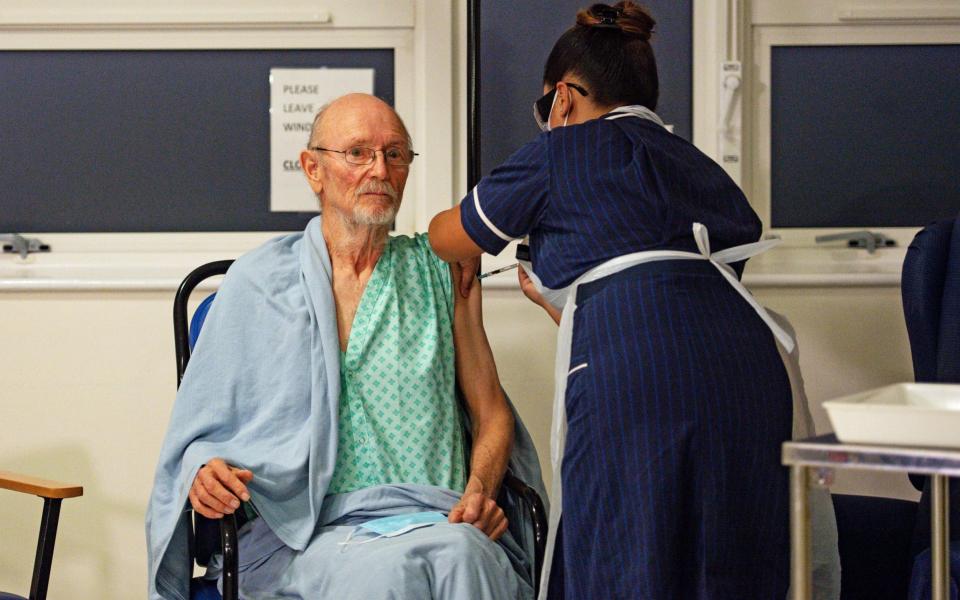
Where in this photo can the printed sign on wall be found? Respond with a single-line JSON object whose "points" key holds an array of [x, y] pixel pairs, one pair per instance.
{"points": [[295, 97]]}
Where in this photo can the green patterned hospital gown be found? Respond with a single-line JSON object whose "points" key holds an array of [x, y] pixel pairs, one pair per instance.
{"points": [[399, 417]]}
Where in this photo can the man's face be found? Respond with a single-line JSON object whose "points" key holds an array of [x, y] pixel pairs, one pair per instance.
{"points": [[361, 194]]}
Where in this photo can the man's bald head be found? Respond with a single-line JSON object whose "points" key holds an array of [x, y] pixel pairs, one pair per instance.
{"points": [[348, 107]]}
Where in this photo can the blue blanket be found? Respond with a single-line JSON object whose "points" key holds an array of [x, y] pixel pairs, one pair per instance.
{"points": [[262, 393], [443, 561]]}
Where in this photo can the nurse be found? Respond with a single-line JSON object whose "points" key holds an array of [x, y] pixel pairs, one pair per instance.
{"points": [[672, 400]]}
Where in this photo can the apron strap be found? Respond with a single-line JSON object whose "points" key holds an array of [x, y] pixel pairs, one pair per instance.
{"points": [[735, 254]]}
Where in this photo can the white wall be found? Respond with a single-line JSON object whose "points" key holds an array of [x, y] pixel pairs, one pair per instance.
{"points": [[88, 382]]}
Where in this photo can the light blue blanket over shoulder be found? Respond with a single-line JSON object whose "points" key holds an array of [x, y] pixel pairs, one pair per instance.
{"points": [[262, 393]]}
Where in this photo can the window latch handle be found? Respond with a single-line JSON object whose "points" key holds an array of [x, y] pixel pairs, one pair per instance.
{"points": [[860, 239]]}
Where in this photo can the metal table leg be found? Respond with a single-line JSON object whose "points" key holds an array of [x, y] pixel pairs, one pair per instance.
{"points": [[800, 547], [940, 537]]}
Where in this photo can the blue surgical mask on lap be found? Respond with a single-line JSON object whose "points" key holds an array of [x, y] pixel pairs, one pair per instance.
{"points": [[398, 524], [393, 526]]}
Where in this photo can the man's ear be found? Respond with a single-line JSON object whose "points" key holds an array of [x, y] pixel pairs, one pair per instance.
{"points": [[313, 170]]}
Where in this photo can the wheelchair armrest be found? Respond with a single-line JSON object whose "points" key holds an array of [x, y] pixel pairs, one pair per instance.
{"points": [[217, 536], [228, 545], [538, 515]]}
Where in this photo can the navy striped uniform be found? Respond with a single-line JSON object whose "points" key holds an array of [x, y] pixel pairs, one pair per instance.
{"points": [[673, 487]]}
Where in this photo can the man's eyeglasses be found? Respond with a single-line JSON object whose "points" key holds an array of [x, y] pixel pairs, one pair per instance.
{"points": [[394, 156], [541, 108]]}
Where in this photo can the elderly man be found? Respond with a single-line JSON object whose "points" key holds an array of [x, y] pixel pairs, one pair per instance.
{"points": [[320, 402]]}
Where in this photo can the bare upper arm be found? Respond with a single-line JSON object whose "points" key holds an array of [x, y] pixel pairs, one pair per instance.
{"points": [[476, 370], [470, 307]]}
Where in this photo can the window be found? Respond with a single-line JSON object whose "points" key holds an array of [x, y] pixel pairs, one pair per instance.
{"points": [[848, 113], [864, 135]]}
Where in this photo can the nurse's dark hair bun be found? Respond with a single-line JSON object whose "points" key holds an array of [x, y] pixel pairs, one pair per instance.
{"points": [[627, 17], [609, 51]]}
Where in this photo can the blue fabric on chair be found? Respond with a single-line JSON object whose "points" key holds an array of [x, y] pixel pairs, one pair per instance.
{"points": [[930, 287], [874, 543], [196, 323], [923, 282], [948, 353], [6, 596], [920, 584], [922, 289], [204, 589]]}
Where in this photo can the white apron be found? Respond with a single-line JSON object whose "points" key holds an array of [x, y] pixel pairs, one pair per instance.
{"points": [[566, 300]]}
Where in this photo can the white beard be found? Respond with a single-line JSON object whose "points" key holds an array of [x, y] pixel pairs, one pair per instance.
{"points": [[374, 216], [359, 215]]}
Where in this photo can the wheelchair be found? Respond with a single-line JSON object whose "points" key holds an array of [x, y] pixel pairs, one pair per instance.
{"points": [[208, 537]]}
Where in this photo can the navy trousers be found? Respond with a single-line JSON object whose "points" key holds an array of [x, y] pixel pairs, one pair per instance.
{"points": [[673, 487]]}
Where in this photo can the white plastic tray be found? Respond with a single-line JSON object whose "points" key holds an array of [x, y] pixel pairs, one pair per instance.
{"points": [[905, 414]]}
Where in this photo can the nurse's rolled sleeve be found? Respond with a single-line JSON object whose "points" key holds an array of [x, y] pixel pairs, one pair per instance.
{"points": [[510, 201]]}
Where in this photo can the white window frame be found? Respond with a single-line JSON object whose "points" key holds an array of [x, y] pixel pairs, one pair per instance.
{"points": [[769, 23], [420, 33]]}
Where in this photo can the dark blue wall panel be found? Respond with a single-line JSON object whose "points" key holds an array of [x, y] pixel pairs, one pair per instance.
{"points": [[864, 136], [517, 38], [100, 141]]}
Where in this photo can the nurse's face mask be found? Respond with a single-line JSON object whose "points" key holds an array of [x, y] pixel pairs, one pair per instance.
{"points": [[543, 108]]}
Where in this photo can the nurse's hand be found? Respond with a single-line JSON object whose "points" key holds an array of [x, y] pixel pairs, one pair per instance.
{"points": [[530, 291], [218, 489]]}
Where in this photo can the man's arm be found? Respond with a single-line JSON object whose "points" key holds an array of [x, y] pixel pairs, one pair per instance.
{"points": [[490, 416]]}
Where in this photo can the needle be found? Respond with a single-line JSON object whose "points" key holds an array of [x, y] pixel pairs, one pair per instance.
{"points": [[495, 271]]}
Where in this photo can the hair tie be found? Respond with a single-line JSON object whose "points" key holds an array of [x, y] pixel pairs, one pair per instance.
{"points": [[607, 16]]}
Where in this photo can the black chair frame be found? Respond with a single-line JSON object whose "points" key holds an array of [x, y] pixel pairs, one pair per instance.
{"points": [[202, 540], [53, 494]]}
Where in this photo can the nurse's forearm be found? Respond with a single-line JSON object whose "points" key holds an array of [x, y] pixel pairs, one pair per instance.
{"points": [[448, 238], [552, 311]]}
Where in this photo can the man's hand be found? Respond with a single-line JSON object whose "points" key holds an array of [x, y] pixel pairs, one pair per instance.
{"points": [[218, 489], [480, 511]]}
